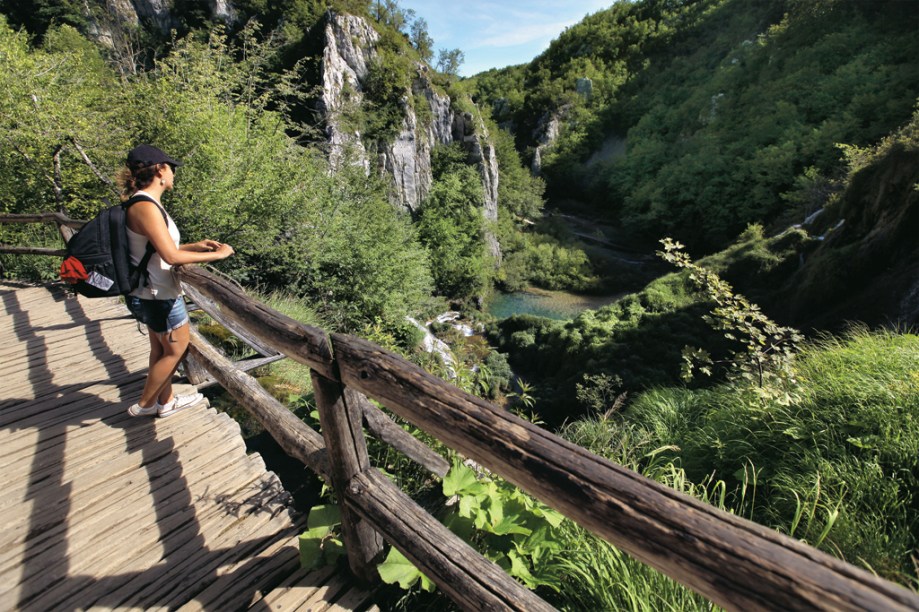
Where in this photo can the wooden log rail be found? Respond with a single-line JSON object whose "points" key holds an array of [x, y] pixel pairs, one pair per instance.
{"points": [[736, 563]]}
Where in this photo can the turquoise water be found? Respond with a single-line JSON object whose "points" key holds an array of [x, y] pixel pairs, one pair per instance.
{"points": [[558, 305]]}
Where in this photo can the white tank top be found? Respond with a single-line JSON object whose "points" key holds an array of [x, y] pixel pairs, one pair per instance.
{"points": [[163, 285]]}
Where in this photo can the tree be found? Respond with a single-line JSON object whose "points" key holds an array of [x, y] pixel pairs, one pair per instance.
{"points": [[449, 61], [421, 40]]}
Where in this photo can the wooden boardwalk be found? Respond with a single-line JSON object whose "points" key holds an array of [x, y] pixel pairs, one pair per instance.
{"points": [[99, 510]]}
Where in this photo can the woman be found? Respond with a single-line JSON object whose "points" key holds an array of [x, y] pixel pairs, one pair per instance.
{"points": [[158, 303]]}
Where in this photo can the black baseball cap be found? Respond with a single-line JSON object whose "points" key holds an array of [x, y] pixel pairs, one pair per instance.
{"points": [[148, 155]]}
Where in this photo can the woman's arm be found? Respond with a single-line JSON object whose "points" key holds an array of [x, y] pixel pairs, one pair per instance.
{"points": [[145, 218], [205, 245]]}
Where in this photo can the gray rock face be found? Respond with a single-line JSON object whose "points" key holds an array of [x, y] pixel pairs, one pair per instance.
{"points": [[223, 10], [350, 48], [121, 15], [482, 153], [545, 134], [156, 11]]}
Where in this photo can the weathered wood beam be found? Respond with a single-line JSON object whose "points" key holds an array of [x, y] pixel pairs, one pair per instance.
{"points": [[53, 217], [388, 431], [16, 250], [340, 421], [194, 371], [243, 365], [293, 435], [303, 343], [471, 580], [213, 310], [734, 562]]}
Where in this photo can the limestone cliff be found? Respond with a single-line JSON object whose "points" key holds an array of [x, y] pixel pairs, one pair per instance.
{"points": [[349, 49], [107, 21]]}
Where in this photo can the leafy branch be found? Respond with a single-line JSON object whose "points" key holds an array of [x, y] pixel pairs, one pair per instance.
{"points": [[767, 352]]}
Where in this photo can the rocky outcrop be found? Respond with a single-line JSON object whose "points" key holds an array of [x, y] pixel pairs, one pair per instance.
{"points": [[867, 268], [350, 48], [482, 153], [408, 158], [108, 22], [546, 132]]}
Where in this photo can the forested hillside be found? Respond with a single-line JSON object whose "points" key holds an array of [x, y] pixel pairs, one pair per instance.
{"points": [[365, 185], [696, 118]]}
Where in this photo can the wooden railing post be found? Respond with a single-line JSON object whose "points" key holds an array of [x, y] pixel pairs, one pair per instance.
{"points": [[341, 422], [194, 371]]}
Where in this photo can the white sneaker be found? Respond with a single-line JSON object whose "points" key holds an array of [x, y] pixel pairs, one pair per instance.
{"points": [[178, 403], [135, 410]]}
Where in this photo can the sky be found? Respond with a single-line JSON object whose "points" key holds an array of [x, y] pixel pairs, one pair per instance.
{"points": [[498, 34]]}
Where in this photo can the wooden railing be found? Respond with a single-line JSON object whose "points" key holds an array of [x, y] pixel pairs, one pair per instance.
{"points": [[736, 563]]}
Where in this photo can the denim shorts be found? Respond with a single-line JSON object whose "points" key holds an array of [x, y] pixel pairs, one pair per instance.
{"points": [[161, 316]]}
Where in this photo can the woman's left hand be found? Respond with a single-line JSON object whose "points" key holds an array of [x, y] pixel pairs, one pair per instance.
{"points": [[208, 245]]}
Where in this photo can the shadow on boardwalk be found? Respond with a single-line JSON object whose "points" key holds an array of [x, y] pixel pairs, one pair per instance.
{"points": [[134, 536]]}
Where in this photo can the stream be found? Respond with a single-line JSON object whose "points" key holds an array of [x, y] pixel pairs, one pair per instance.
{"points": [[610, 251], [558, 305]]}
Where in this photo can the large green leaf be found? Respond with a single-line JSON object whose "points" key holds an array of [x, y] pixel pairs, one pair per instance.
{"points": [[459, 479], [398, 569], [325, 515], [311, 547]]}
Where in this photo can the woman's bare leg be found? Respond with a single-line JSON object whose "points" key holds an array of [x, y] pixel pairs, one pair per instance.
{"points": [[159, 378]]}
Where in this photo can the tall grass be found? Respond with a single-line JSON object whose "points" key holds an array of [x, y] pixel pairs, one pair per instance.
{"points": [[837, 468]]}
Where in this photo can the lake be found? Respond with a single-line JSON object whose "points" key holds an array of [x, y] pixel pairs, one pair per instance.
{"points": [[558, 305]]}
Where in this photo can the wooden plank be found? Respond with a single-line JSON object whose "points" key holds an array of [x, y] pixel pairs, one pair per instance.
{"points": [[20, 521], [388, 431], [88, 421], [469, 579], [187, 527], [213, 311], [293, 435], [237, 586], [340, 420], [303, 343], [86, 558], [21, 250], [193, 528], [187, 568], [736, 563], [295, 590], [69, 459], [76, 405], [45, 217], [99, 508]]}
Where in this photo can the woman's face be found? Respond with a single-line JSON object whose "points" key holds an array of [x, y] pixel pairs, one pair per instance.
{"points": [[168, 175]]}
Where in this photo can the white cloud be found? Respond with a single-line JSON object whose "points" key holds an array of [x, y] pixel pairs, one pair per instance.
{"points": [[521, 34]]}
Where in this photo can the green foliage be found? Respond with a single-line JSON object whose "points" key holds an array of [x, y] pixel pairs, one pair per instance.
{"points": [[836, 466], [637, 339], [767, 350], [320, 544], [452, 227], [356, 256], [506, 525], [696, 119], [397, 569], [450, 60], [333, 239]]}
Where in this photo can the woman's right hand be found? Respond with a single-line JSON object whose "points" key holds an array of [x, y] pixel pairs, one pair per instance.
{"points": [[224, 250]]}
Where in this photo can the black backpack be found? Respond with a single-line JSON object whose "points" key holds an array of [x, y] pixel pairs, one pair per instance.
{"points": [[98, 261]]}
